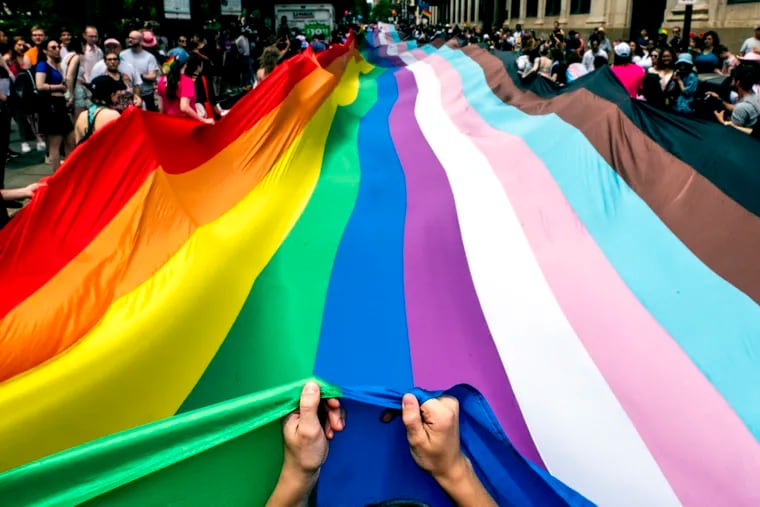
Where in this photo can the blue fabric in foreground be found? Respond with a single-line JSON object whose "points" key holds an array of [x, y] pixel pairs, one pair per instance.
{"points": [[370, 461]]}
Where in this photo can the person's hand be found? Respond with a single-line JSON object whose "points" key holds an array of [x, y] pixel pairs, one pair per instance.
{"points": [[306, 446], [208, 121], [720, 115], [713, 94], [433, 433], [31, 189], [305, 437]]}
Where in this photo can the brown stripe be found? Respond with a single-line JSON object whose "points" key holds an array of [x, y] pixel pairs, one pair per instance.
{"points": [[722, 233]]}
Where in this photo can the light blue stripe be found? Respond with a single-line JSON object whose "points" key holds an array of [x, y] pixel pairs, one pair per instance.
{"points": [[716, 324]]}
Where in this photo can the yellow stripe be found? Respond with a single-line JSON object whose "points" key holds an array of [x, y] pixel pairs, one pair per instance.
{"points": [[151, 347]]}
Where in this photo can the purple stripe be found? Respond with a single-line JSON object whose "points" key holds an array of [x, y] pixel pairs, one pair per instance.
{"points": [[449, 339]]}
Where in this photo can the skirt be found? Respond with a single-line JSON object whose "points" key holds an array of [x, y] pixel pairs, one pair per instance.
{"points": [[54, 119]]}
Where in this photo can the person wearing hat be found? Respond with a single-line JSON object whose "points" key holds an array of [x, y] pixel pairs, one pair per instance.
{"points": [[145, 65], [685, 83], [630, 75], [752, 45], [105, 94]]}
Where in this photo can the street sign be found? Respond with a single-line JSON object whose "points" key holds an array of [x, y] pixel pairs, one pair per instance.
{"points": [[232, 8], [177, 9]]}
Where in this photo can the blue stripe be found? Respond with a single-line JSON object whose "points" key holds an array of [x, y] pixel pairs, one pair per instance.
{"points": [[715, 323], [364, 338]]}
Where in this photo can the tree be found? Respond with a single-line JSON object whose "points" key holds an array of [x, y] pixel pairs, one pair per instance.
{"points": [[381, 11]]}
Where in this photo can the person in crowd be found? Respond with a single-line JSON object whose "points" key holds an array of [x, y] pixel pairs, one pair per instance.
{"points": [[558, 35], [684, 85], [676, 41], [110, 46], [106, 97], [708, 61], [630, 75], [176, 90], [92, 53], [604, 42], [752, 44], [432, 430], [180, 50], [730, 61], [539, 64], [591, 54], [559, 67], [640, 55], [643, 40], [268, 61], [575, 68], [65, 39], [664, 68], [150, 45], [32, 55], [145, 65], [746, 113], [73, 72], [130, 91], [54, 120], [17, 65], [243, 46]]}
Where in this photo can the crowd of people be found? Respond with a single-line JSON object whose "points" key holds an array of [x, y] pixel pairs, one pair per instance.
{"points": [[688, 74]]}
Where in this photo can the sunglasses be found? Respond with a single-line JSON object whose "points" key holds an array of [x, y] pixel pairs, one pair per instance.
{"points": [[52, 47], [112, 59]]}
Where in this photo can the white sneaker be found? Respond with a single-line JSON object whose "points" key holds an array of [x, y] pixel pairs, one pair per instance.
{"points": [[47, 159], [25, 148], [41, 146]]}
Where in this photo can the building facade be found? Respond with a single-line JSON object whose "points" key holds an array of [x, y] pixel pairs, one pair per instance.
{"points": [[732, 19]]}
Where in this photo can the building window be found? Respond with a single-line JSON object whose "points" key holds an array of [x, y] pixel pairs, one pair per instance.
{"points": [[553, 7], [580, 6], [531, 9], [514, 10]]}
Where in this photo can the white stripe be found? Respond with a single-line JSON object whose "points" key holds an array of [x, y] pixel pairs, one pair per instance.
{"points": [[408, 58], [581, 431]]}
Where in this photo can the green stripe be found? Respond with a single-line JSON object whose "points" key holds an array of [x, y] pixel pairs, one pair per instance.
{"points": [[173, 459], [274, 340]]}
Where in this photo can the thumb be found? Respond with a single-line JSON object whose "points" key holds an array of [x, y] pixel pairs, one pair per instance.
{"points": [[410, 414], [309, 404]]}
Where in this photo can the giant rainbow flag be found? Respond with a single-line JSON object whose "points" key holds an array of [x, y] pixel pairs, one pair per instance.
{"points": [[577, 268]]}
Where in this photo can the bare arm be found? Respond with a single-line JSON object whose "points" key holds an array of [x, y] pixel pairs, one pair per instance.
{"points": [[40, 79], [184, 106], [71, 78]]}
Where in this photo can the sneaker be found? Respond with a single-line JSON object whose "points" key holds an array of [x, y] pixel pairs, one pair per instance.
{"points": [[41, 146], [25, 148], [13, 154], [47, 159]]}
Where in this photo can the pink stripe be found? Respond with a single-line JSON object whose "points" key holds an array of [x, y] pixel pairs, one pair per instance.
{"points": [[703, 448]]}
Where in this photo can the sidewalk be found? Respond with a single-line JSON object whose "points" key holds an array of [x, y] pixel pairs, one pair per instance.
{"points": [[27, 168]]}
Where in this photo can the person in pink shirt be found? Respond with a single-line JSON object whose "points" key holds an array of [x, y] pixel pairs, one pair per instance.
{"points": [[630, 75], [176, 90]]}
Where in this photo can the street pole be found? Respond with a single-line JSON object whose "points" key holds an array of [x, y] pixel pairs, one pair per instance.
{"points": [[687, 27]]}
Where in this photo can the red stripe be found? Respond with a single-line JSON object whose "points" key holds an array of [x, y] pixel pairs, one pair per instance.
{"points": [[103, 174]]}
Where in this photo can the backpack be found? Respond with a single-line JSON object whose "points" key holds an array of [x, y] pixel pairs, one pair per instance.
{"points": [[27, 94]]}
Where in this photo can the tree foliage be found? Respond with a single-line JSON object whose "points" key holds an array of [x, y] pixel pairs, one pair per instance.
{"points": [[382, 11]]}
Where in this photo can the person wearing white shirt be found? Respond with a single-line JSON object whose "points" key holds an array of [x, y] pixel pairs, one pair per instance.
{"points": [[591, 54], [92, 53], [145, 66]]}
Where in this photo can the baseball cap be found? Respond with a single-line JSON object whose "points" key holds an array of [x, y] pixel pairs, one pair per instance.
{"points": [[623, 49], [112, 42]]}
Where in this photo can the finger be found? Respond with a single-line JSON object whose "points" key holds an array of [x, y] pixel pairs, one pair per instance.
{"points": [[410, 414], [309, 404], [334, 418]]}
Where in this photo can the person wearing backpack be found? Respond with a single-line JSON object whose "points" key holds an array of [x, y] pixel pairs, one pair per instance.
{"points": [[105, 97]]}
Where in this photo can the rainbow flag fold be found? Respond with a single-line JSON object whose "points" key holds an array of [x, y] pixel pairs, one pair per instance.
{"points": [[575, 267]]}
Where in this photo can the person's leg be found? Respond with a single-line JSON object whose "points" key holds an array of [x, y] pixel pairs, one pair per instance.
{"points": [[54, 146]]}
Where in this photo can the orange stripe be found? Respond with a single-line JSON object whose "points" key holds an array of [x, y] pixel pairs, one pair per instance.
{"points": [[148, 230]]}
